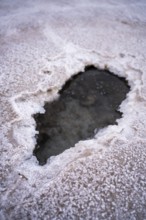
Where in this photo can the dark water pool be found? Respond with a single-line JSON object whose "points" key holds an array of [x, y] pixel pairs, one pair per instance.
{"points": [[87, 103]]}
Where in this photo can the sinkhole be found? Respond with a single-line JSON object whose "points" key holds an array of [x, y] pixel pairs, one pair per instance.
{"points": [[88, 102]]}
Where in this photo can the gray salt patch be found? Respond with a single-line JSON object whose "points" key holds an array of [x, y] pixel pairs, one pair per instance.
{"points": [[87, 103]]}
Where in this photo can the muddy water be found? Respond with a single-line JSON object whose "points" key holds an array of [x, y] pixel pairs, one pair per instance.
{"points": [[87, 103]]}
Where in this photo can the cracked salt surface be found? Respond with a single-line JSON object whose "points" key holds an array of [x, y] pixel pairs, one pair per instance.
{"points": [[43, 44]]}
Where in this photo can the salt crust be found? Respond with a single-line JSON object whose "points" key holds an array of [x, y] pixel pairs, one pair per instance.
{"points": [[42, 45]]}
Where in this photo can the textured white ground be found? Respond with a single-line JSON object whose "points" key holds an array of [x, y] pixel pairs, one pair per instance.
{"points": [[43, 43]]}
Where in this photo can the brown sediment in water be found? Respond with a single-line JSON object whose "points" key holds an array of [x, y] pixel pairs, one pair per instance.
{"points": [[88, 102]]}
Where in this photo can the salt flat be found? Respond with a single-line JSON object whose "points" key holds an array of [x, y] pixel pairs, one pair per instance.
{"points": [[42, 44]]}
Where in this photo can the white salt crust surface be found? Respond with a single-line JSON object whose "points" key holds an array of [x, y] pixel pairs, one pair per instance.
{"points": [[42, 44]]}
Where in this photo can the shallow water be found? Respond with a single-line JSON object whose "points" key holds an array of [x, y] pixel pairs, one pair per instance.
{"points": [[87, 103]]}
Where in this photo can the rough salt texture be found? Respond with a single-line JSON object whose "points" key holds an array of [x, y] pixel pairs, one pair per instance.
{"points": [[42, 44]]}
